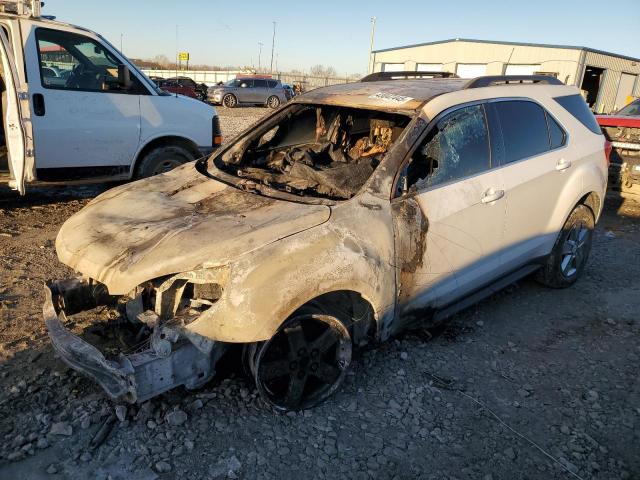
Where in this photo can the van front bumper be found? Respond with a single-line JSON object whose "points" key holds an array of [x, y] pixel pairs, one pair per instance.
{"points": [[172, 357]]}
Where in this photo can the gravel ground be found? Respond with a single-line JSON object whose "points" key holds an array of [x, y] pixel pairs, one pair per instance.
{"points": [[234, 120], [532, 383]]}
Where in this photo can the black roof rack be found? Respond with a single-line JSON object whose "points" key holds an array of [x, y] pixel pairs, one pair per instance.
{"points": [[406, 75], [490, 80]]}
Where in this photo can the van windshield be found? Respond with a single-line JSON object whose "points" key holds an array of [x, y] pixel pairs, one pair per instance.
{"points": [[315, 150]]}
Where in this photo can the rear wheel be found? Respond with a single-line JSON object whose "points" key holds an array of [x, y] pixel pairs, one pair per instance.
{"points": [[571, 251], [273, 102], [303, 363], [162, 159], [229, 100]]}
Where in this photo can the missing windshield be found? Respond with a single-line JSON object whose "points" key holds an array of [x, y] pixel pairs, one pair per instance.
{"points": [[320, 151]]}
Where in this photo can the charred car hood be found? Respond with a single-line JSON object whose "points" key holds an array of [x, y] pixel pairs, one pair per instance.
{"points": [[172, 223]]}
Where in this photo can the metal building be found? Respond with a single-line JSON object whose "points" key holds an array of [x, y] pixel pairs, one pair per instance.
{"points": [[608, 80]]}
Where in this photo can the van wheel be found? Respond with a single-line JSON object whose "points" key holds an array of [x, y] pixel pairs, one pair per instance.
{"points": [[303, 363], [273, 102], [571, 251], [162, 159], [229, 101]]}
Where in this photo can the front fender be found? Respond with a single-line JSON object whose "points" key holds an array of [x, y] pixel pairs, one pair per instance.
{"points": [[268, 285]]}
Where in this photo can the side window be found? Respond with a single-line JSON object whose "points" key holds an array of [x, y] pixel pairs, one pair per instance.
{"points": [[457, 147], [74, 62], [576, 106], [260, 83], [557, 136], [246, 83], [273, 83], [524, 129]]}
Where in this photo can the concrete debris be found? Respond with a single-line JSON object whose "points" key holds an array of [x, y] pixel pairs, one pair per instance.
{"points": [[176, 418], [61, 428]]}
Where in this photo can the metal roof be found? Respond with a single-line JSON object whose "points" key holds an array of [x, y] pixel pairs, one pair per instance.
{"points": [[520, 44], [395, 95]]}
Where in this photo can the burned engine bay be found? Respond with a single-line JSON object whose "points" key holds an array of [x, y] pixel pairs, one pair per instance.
{"points": [[315, 150]]}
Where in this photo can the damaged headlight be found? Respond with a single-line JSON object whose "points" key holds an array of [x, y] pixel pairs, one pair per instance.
{"points": [[185, 295]]}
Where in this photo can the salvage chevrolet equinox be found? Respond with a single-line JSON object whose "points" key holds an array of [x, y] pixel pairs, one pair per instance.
{"points": [[346, 216]]}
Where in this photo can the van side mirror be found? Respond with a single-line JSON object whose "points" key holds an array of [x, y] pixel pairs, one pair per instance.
{"points": [[124, 77]]}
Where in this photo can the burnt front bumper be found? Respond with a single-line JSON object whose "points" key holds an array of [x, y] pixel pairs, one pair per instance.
{"points": [[173, 356]]}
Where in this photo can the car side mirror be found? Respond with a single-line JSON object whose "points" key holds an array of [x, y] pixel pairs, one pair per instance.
{"points": [[124, 77]]}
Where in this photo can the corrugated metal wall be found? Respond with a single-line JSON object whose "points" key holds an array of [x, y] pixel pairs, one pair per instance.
{"points": [[494, 55], [567, 62], [614, 66]]}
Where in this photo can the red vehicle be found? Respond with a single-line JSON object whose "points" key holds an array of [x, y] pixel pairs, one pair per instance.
{"points": [[180, 88], [622, 129]]}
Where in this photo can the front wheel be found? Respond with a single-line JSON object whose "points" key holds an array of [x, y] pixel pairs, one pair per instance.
{"points": [[162, 159], [273, 102], [303, 363], [229, 101], [571, 251]]}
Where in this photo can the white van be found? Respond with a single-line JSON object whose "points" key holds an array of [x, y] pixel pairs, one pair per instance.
{"points": [[75, 108]]}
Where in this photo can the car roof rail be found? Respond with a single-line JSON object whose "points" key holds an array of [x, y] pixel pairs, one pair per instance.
{"points": [[491, 80], [406, 75]]}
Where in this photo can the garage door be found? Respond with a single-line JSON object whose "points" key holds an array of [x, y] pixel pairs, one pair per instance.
{"points": [[522, 69], [429, 67], [625, 89], [393, 67], [471, 70]]}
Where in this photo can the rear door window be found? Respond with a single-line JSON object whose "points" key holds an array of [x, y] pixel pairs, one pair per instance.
{"points": [[577, 106], [260, 83], [524, 129]]}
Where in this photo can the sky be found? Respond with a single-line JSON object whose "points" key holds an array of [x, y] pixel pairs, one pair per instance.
{"points": [[337, 33]]}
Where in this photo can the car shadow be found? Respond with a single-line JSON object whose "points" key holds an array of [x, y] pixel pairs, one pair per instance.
{"points": [[43, 195]]}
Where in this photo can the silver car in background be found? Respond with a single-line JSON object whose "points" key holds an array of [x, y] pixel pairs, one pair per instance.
{"points": [[249, 91]]}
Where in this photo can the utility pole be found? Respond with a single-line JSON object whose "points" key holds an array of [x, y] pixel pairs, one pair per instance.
{"points": [[121, 35], [373, 32], [260, 44], [273, 44]]}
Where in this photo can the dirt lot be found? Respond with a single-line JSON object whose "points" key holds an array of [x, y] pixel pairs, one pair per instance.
{"points": [[532, 383]]}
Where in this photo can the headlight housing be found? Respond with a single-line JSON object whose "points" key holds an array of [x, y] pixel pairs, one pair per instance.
{"points": [[187, 295]]}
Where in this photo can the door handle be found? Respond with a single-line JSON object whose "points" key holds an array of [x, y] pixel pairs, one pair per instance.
{"points": [[562, 164], [492, 195], [38, 105]]}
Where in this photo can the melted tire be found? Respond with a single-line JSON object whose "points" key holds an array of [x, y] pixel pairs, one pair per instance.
{"points": [[300, 367]]}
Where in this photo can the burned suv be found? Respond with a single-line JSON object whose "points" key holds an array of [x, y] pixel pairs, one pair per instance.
{"points": [[352, 213]]}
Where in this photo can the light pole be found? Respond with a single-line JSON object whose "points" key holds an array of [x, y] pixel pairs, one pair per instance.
{"points": [[273, 44], [121, 35], [373, 32], [259, 55]]}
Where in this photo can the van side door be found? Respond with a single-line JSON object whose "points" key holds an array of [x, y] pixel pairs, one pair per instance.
{"points": [[448, 212], [15, 117], [82, 117]]}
